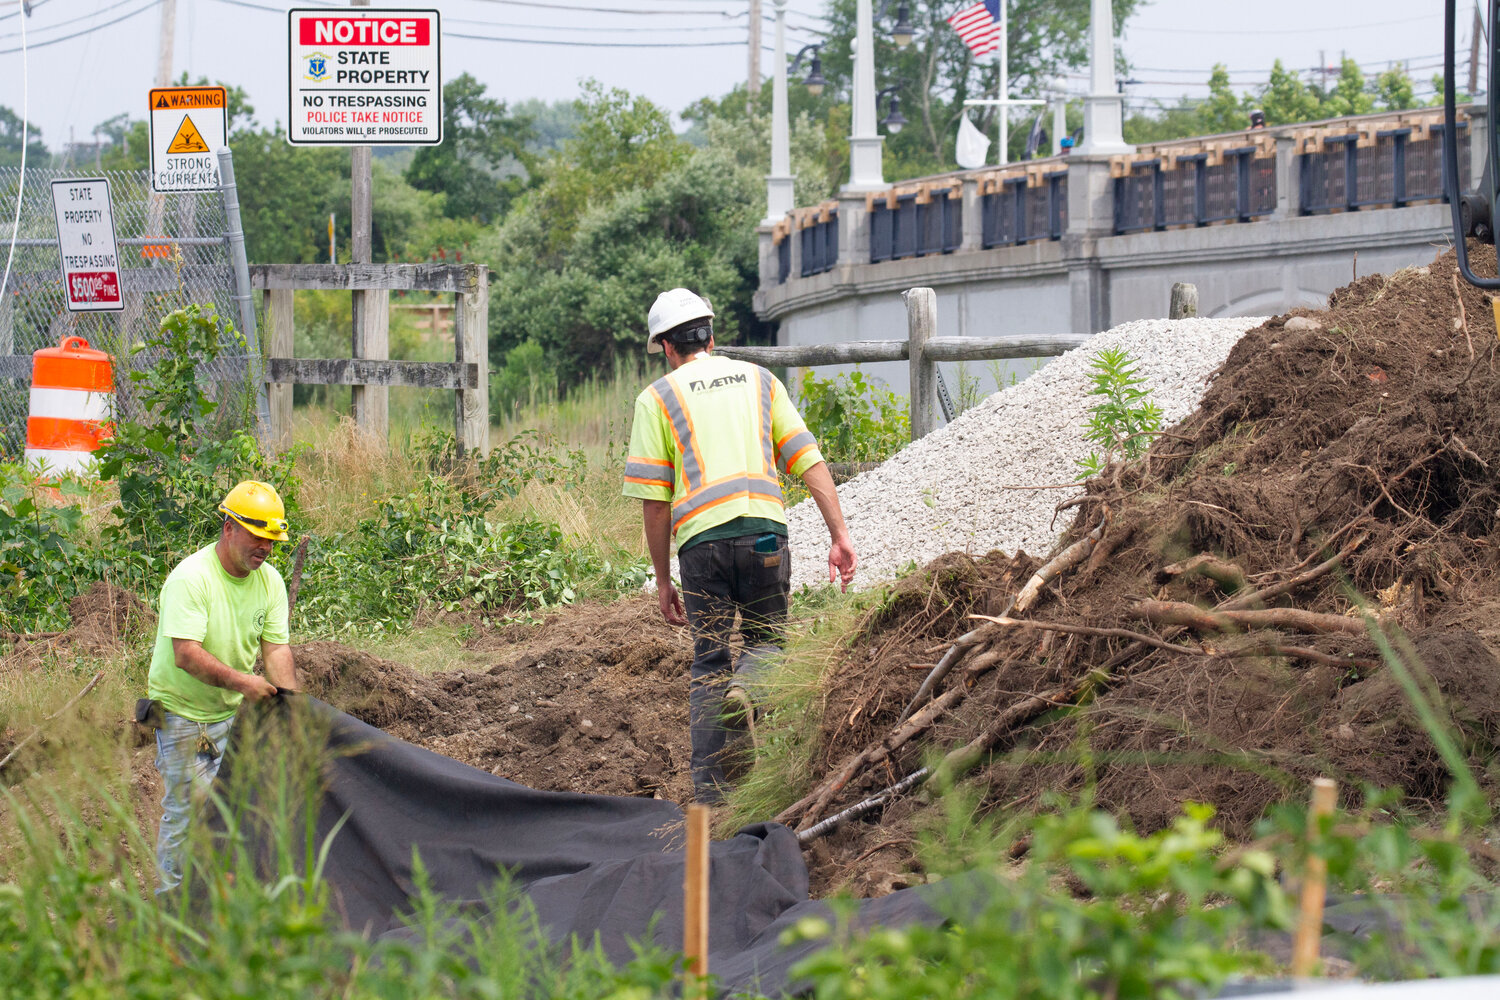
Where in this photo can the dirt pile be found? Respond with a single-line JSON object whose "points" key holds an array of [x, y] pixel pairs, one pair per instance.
{"points": [[594, 700], [103, 617], [1205, 642]]}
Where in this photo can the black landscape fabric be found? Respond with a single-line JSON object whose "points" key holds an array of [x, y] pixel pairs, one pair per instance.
{"points": [[587, 863]]}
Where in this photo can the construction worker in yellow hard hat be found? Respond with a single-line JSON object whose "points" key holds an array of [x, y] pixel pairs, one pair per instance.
{"points": [[707, 441], [258, 507], [221, 609]]}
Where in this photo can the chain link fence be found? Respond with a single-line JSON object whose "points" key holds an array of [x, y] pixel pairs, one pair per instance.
{"points": [[172, 252]]}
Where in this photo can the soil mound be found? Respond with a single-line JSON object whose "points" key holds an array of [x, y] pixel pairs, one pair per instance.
{"points": [[1209, 645], [102, 617], [595, 700]]}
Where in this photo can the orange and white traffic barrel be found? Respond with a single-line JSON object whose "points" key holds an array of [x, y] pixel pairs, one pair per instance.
{"points": [[72, 404]]}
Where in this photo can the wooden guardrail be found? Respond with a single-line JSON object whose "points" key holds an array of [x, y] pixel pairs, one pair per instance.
{"points": [[370, 371], [921, 350]]}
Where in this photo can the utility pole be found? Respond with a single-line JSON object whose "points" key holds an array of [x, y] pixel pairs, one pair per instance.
{"points": [[752, 82], [361, 206], [1323, 70], [164, 47], [1474, 52]]}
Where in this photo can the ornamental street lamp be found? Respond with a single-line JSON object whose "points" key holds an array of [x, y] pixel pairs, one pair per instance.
{"points": [[895, 121], [902, 31], [865, 170], [814, 82]]}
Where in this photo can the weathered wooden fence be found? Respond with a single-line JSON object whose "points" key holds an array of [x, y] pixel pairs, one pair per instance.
{"points": [[370, 372], [920, 349]]}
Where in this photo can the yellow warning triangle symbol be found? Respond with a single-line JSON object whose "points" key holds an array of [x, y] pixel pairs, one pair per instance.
{"points": [[187, 139]]}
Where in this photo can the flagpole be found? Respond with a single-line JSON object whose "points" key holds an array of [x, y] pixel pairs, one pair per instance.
{"points": [[1004, 94]]}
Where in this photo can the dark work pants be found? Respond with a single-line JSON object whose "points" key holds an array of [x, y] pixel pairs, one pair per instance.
{"points": [[719, 579]]}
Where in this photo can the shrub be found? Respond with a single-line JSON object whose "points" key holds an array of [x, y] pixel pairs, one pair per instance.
{"points": [[854, 418]]}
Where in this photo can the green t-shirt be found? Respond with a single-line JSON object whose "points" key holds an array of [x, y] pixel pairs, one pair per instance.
{"points": [[229, 615], [737, 528]]}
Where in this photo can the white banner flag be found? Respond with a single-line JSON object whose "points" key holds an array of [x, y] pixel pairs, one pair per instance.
{"points": [[973, 146]]}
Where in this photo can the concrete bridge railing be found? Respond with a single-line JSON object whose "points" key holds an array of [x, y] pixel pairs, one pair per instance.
{"points": [[1260, 221]]}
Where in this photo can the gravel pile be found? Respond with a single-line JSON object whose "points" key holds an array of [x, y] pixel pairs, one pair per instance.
{"points": [[947, 492]]}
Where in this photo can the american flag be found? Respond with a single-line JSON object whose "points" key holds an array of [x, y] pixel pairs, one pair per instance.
{"points": [[979, 26]]}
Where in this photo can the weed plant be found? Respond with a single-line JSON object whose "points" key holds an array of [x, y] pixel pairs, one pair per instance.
{"points": [[1124, 422], [854, 418]]}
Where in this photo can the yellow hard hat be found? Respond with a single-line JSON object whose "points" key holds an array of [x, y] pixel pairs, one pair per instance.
{"points": [[258, 508]]}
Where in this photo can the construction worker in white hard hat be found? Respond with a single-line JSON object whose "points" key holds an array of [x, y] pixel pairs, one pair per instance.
{"points": [[705, 446], [221, 609]]}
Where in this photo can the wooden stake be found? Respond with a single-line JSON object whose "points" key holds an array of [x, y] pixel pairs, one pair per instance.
{"points": [[1314, 883], [695, 906], [1183, 303], [921, 326]]}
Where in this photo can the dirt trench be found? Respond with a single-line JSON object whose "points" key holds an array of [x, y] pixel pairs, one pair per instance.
{"points": [[594, 700]]}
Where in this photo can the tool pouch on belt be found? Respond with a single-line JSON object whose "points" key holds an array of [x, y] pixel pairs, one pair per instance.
{"points": [[148, 713]]}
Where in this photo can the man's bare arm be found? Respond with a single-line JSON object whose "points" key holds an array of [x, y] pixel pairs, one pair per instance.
{"points": [[657, 517], [277, 657], [190, 655], [841, 558]]}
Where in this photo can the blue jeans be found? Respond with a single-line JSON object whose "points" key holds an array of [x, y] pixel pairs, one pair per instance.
{"points": [[722, 578], [186, 772]]}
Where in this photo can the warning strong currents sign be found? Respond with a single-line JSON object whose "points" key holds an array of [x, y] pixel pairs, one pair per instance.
{"points": [[364, 79], [188, 127]]}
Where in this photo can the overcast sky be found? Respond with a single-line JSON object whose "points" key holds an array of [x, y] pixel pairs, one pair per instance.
{"points": [[105, 68]]}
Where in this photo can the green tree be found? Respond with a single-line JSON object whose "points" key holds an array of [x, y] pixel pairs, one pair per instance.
{"points": [[11, 141], [1348, 96], [1287, 99], [1393, 89], [623, 143], [483, 161], [585, 300], [1224, 111], [1166, 122]]}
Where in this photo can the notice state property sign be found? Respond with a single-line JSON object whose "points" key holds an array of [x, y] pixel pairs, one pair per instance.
{"points": [[364, 79]]}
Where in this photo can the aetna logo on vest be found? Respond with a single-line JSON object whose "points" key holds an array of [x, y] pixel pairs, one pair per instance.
{"points": [[698, 385]]}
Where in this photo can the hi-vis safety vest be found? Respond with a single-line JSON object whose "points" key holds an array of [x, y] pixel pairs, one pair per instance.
{"points": [[709, 437]]}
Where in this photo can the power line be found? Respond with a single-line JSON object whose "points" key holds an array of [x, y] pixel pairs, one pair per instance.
{"points": [[571, 44], [19, 9], [1341, 29], [71, 20], [86, 31], [597, 45]]}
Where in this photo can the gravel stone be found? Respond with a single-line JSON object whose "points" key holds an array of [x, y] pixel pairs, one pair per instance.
{"points": [[947, 492]]}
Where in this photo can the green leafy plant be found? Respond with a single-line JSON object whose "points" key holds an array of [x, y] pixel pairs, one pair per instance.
{"points": [[1124, 422], [1134, 920], [854, 418], [42, 565], [182, 456]]}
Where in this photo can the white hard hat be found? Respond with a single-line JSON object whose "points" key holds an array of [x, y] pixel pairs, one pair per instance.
{"points": [[671, 310]]}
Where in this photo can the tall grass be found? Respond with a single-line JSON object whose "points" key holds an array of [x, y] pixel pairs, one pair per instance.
{"points": [[78, 917], [793, 697]]}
